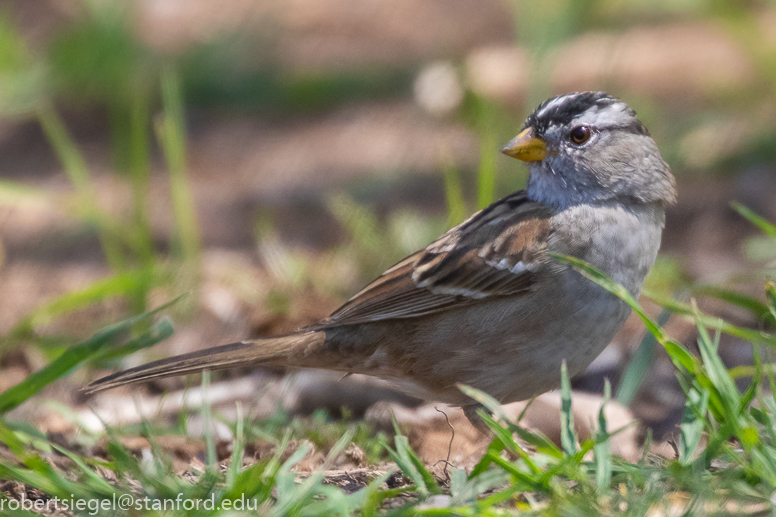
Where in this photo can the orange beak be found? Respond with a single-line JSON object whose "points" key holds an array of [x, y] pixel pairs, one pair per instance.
{"points": [[526, 147]]}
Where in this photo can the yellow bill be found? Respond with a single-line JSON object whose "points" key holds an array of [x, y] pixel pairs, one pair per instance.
{"points": [[526, 147]]}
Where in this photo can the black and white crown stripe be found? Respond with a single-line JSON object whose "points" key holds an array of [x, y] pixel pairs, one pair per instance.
{"points": [[599, 107]]}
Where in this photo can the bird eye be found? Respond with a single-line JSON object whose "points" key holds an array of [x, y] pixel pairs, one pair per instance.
{"points": [[580, 134]]}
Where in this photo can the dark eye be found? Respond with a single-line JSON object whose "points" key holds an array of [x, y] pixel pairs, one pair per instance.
{"points": [[580, 134]]}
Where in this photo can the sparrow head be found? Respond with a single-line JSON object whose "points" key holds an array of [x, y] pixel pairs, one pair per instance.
{"points": [[590, 147]]}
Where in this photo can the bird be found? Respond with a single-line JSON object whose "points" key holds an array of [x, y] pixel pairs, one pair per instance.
{"points": [[488, 304]]}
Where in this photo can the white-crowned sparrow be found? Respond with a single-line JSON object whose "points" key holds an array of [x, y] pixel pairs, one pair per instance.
{"points": [[484, 304]]}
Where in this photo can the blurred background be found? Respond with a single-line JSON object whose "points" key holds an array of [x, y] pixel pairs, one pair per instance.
{"points": [[270, 157]]}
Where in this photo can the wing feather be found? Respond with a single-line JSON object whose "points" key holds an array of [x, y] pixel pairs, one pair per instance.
{"points": [[496, 252]]}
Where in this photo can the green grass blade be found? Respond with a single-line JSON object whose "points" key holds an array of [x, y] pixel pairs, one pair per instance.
{"points": [[238, 447], [159, 331], [494, 449], [369, 499], [29, 477], [496, 500], [119, 284], [95, 482], [207, 421], [636, 371], [568, 465], [770, 297], [140, 171], [364, 230], [749, 303], [486, 173], [412, 467], [303, 494], [715, 368], [505, 437], [116, 285], [487, 401], [456, 205], [542, 443], [403, 447], [568, 435], [691, 426], [72, 357], [764, 225], [458, 479], [77, 171], [712, 322], [172, 137], [34, 470], [603, 447], [518, 475], [17, 194], [475, 486]]}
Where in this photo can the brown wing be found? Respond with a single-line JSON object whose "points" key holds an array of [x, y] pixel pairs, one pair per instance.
{"points": [[494, 253]]}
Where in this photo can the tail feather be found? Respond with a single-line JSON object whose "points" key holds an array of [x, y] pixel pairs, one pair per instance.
{"points": [[261, 351]]}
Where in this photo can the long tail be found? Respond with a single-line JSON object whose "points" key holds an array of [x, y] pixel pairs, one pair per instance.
{"points": [[275, 350]]}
